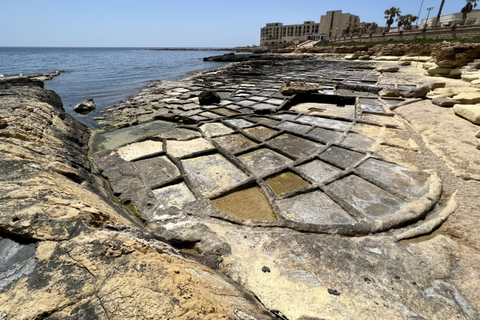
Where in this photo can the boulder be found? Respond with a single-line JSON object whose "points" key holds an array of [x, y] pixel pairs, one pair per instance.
{"points": [[208, 97], [471, 112], [389, 93], [85, 107], [444, 102], [468, 97]]}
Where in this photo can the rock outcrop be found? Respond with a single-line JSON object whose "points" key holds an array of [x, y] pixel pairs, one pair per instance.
{"points": [[67, 251]]}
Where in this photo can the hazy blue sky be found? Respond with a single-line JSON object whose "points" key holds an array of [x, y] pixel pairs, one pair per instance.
{"points": [[175, 23]]}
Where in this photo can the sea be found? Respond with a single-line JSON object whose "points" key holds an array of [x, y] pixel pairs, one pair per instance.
{"points": [[107, 75]]}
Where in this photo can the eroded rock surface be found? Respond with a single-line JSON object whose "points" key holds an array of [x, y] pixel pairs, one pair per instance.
{"points": [[67, 251]]}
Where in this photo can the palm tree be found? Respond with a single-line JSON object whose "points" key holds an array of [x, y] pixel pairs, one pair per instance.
{"points": [[467, 9], [406, 21], [439, 13], [390, 15]]}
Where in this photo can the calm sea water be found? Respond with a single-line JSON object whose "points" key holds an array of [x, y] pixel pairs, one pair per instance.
{"points": [[107, 75]]}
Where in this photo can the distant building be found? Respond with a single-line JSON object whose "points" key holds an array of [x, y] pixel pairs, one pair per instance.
{"points": [[331, 25], [473, 18]]}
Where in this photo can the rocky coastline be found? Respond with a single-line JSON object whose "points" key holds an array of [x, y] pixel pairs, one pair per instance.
{"points": [[313, 189]]}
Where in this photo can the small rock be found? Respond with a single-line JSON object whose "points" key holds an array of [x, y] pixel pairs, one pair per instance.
{"points": [[266, 269], [478, 144], [387, 69], [389, 93], [85, 107], [334, 292], [438, 85], [419, 92], [405, 63], [477, 135], [437, 71], [471, 112], [208, 97], [470, 76], [455, 73], [444, 102], [440, 92], [365, 57]]}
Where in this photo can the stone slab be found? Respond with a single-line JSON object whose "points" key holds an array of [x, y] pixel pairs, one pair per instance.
{"points": [[263, 161], [311, 108], [294, 146], [363, 198], [319, 171], [239, 123], [294, 127], [213, 174], [358, 141], [286, 182], [324, 122], [139, 150], [340, 157], [215, 129], [180, 149], [467, 97], [314, 208], [156, 171], [325, 135], [261, 133], [394, 178], [176, 196], [235, 143]]}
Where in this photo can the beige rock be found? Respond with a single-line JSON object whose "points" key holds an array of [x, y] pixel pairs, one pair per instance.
{"points": [[138, 150], [440, 93], [437, 71], [475, 83], [387, 58], [389, 93], [468, 97], [438, 85], [478, 135], [455, 73], [428, 65], [183, 148], [470, 76], [387, 69], [416, 58], [478, 144], [471, 112]]}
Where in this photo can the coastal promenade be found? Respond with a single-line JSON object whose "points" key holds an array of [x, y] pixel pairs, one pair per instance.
{"points": [[303, 183]]}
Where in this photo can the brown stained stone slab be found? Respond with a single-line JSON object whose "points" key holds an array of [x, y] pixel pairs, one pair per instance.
{"points": [[261, 133], [156, 171], [235, 143], [215, 129], [325, 122], [314, 208], [176, 196], [319, 171], [239, 123], [213, 174], [363, 197], [180, 149], [294, 146], [340, 157], [262, 161], [294, 127], [139, 150], [248, 204], [286, 182], [391, 176], [325, 135]]}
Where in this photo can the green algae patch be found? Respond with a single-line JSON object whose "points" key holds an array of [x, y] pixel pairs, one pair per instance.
{"points": [[248, 204], [286, 182]]}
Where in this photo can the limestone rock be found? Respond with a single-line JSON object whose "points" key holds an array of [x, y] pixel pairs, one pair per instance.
{"points": [[475, 83], [419, 92], [440, 92], [85, 107], [438, 85], [364, 57], [456, 55], [478, 144], [438, 71], [444, 102], [387, 58], [468, 97], [471, 112], [389, 93], [405, 63], [300, 87], [470, 76], [387, 69], [478, 135], [208, 97], [455, 73]]}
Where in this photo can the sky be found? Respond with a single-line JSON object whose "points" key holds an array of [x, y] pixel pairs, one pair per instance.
{"points": [[176, 23]]}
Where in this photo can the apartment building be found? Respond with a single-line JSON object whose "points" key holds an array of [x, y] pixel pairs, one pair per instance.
{"points": [[329, 27]]}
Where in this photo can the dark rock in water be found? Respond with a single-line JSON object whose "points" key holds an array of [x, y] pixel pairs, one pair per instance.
{"points": [[85, 107], [208, 97]]}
